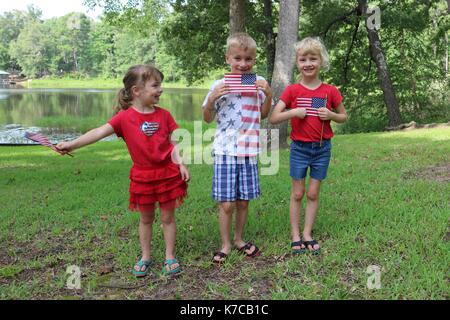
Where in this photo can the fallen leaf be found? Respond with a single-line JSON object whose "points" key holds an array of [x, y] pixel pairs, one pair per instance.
{"points": [[105, 270]]}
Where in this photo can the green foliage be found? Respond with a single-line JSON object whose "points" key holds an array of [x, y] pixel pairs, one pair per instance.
{"points": [[197, 32], [184, 33], [412, 38], [11, 24], [10, 271], [32, 48], [186, 40]]}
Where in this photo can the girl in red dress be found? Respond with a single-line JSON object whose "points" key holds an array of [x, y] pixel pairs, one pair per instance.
{"points": [[157, 174]]}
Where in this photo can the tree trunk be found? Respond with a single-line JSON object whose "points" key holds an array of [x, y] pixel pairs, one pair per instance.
{"points": [[75, 60], [377, 55], [446, 53], [237, 16], [270, 39], [284, 58]]}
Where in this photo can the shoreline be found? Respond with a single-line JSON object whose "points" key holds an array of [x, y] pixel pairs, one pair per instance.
{"points": [[94, 83]]}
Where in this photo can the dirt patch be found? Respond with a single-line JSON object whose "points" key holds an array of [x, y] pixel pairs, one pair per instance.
{"points": [[6, 258], [246, 280], [413, 125], [440, 172]]}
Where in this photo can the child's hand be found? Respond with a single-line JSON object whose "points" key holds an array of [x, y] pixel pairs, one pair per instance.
{"points": [[184, 173], [64, 147], [264, 86], [219, 91], [325, 114], [299, 112]]}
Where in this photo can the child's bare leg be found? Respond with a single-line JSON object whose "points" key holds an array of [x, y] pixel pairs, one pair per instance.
{"points": [[169, 230], [225, 218], [145, 234], [297, 193], [241, 220], [312, 206]]}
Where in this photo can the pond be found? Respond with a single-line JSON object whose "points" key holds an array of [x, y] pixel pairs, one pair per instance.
{"points": [[66, 113]]}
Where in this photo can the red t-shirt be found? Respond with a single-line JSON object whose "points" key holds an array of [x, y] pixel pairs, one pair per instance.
{"points": [[147, 136], [309, 129]]}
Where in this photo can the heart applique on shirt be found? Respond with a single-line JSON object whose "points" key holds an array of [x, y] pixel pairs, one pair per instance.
{"points": [[149, 128]]}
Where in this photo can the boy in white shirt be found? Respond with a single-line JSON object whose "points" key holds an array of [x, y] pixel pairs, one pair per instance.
{"points": [[236, 142]]}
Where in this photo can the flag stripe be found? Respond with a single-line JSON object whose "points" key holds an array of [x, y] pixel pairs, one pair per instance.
{"points": [[250, 94], [250, 120], [249, 144], [250, 132], [250, 107]]}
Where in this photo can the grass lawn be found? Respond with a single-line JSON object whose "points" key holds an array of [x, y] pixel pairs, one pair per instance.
{"points": [[98, 83], [384, 203]]}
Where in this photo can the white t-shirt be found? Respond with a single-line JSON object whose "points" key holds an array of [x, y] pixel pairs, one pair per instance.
{"points": [[238, 117]]}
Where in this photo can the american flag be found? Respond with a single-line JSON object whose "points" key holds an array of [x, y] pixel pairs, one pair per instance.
{"points": [[238, 83], [43, 140], [312, 105], [149, 128]]}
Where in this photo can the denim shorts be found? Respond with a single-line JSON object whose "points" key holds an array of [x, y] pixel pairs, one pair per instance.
{"points": [[312, 155], [235, 178]]}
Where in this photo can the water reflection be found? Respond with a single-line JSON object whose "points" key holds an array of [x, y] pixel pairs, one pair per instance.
{"points": [[27, 106], [78, 110]]}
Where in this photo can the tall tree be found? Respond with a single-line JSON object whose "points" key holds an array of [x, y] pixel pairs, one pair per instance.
{"points": [[270, 38], [31, 49], [11, 24], [237, 16], [357, 12], [378, 56], [285, 57]]}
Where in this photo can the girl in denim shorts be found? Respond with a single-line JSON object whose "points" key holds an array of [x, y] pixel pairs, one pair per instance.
{"points": [[310, 104]]}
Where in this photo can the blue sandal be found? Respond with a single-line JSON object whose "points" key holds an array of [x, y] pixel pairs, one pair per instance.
{"points": [[142, 263], [169, 263]]}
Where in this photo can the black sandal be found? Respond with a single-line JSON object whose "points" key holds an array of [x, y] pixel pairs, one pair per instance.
{"points": [[221, 255], [298, 244], [248, 246], [312, 250]]}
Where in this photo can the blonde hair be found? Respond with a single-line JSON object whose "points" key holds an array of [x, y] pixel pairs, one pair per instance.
{"points": [[137, 75], [314, 45], [242, 40]]}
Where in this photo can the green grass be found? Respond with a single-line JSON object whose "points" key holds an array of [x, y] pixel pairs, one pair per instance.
{"points": [[98, 83], [380, 205]]}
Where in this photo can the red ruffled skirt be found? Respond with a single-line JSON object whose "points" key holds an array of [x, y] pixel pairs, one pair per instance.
{"points": [[151, 186]]}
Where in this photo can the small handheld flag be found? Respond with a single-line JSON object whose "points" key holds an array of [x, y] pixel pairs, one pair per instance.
{"points": [[312, 105], [43, 140], [238, 83]]}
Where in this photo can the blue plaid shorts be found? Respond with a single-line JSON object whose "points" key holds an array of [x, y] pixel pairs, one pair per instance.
{"points": [[235, 178]]}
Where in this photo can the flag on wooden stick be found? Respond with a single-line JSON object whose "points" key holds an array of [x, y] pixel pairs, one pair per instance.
{"points": [[43, 140]]}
